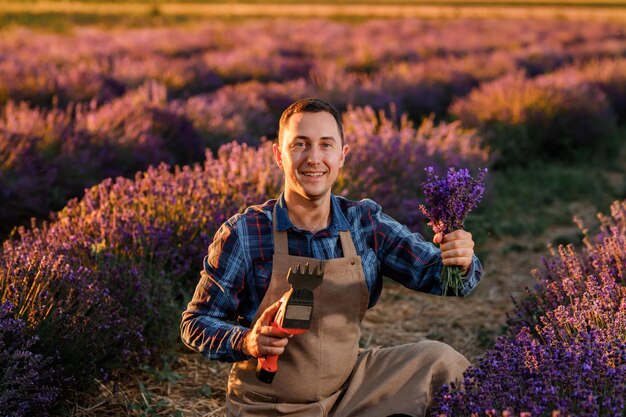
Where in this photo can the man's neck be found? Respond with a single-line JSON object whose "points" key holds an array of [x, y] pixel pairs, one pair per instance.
{"points": [[311, 215]]}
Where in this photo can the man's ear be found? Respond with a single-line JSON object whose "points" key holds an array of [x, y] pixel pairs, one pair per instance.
{"points": [[277, 155], [344, 152]]}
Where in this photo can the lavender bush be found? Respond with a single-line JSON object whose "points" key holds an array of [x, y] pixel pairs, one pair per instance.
{"points": [[145, 130], [26, 380], [49, 156], [44, 160], [387, 154], [566, 351], [244, 112], [582, 377], [542, 57], [64, 306], [422, 88], [550, 117], [562, 277], [609, 75], [113, 266]]}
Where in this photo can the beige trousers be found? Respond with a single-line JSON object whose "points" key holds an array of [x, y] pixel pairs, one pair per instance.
{"points": [[385, 381]]}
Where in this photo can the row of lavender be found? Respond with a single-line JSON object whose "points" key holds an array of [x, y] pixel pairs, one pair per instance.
{"points": [[133, 99], [94, 290], [450, 54], [48, 156], [565, 354]]}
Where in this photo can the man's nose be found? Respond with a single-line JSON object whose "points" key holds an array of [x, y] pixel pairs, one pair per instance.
{"points": [[314, 156]]}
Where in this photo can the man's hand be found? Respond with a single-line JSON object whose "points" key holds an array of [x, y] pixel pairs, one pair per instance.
{"points": [[264, 339], [457, 248]]}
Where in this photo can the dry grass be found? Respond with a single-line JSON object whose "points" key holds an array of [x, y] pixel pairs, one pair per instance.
{"points": [[199, 391]]}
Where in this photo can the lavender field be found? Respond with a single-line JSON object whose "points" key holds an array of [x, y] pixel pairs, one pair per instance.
{"points": [[122, 152]]}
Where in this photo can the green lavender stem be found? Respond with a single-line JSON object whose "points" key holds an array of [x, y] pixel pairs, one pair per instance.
{"points": [[451, 277]]}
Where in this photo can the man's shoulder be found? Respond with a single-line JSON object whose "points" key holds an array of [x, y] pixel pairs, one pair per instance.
{"points": [[239, 235], [357, 208], [255, 214]]}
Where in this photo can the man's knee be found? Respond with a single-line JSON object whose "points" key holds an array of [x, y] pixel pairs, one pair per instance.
{"points": [[440, 349], [448, 365]]}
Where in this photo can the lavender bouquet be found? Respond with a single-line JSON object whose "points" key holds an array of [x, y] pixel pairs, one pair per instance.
{"points": [[448, 201]]}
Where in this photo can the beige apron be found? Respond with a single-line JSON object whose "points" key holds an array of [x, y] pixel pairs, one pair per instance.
{"points": [[314, 373]]}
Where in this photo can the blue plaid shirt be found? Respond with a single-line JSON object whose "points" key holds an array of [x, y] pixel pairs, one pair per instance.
{"points": [[238, 268]]}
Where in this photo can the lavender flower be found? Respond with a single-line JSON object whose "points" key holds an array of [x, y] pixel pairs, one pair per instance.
{"points": [[565, 353], [448, 201], [25, 376]]}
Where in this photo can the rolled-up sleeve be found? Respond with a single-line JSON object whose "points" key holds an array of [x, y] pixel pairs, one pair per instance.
{"points": [[209, 324]]}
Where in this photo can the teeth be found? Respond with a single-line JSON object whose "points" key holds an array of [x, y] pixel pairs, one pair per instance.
{"points": [[312, 174]]}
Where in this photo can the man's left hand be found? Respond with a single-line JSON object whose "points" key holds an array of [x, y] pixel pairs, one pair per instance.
{"points": [[457, 248]]}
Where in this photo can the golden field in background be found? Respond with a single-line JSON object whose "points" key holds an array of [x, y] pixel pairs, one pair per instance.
{"points": [[571, 10]]}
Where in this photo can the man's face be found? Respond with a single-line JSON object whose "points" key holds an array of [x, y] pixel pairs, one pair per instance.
{"points": [[310, 154]]}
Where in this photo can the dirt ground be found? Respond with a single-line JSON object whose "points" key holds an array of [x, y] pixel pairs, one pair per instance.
{"points": [[195, 387]]}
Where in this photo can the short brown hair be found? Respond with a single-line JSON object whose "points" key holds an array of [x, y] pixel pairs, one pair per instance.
{"points": [[309, 105]]}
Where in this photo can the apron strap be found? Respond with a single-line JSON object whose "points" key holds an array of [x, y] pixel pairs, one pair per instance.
{"points": [[347, 245], [280, 238]]}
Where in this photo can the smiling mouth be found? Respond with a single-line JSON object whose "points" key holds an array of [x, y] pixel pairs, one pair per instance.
{"points": [[313, 174]]}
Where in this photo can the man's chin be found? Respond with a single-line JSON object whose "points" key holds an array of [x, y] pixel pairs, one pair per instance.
{"points": [[316, 196], [310, 195]]}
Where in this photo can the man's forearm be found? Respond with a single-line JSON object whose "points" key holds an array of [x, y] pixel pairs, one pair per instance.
{"points": [[215, 339]]}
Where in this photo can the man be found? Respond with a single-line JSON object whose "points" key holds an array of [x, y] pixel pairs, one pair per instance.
{"points": [[321, 372]]}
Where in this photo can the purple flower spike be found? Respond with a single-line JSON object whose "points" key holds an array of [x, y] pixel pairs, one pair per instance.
{"points": [[448, 201]]}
